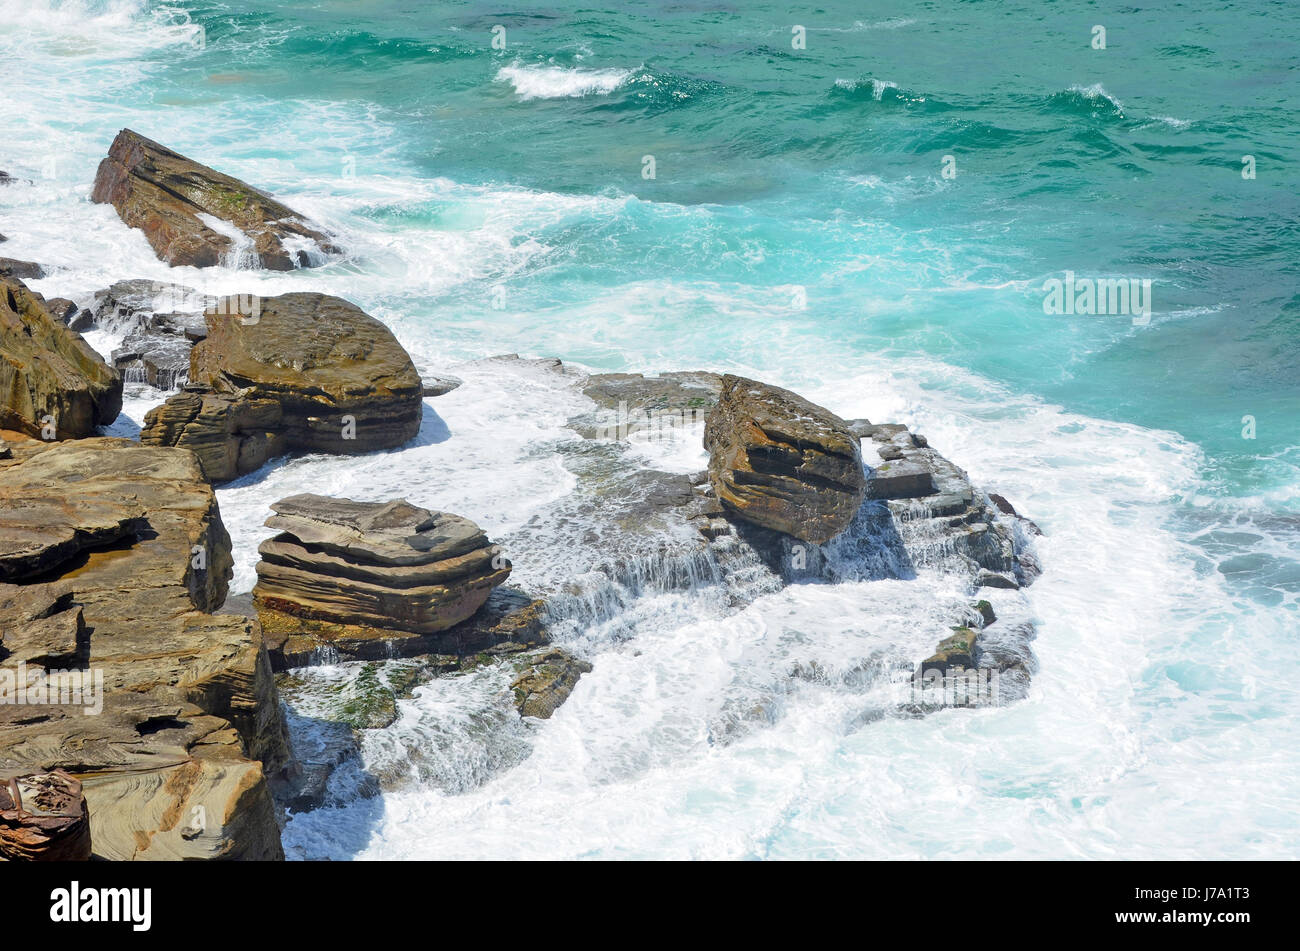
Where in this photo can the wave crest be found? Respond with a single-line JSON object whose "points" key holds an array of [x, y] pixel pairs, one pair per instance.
{"points": [[562, 82]]}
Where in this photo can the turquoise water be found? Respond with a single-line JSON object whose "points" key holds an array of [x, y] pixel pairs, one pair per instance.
{"points": [[799, 227], [789, 167]]}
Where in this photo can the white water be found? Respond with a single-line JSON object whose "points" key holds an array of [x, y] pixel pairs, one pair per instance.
{"points": [[1160, 724], [559, 82]]}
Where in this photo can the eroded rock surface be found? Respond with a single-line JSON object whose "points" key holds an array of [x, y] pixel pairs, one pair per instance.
{"points": [[392, 567], [299, 372], [782, 462], [176, 725], [193, 215], [48, 374]]}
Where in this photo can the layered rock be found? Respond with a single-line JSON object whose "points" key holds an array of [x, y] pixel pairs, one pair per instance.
{"points": [[303, 372], [43, 817], [391, 568], [159, 352], [942, 512], [49, 376], [193, 215], [782, 462], [175, 725]]}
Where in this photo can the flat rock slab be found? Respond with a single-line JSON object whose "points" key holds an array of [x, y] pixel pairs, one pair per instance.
{"points": [[40, 532]]}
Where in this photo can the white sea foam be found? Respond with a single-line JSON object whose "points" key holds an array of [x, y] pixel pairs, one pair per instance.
{"points": [[1097, 93], [691, 738], [560, 82]]}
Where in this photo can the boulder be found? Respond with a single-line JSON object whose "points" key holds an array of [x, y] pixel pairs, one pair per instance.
{"points": [[177, 730], [390, 566], [956, 651], [781, 462], [193, 215], [303, 372], [43, 818], [21, 270], [48, 372]]}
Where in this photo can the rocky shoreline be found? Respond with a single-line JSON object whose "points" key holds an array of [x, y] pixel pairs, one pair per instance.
{"points": [[115, 564]]}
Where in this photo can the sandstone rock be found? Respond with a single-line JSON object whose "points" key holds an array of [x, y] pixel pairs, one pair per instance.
{"points": [[43, 817], [388, 565], [37, 534], [546, 682], [47, 370], [439, 385], [781, 462], [176, 762], [301, 372], [169, 196], [21, 270]]}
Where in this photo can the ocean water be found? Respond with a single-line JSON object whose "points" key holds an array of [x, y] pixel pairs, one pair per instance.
{"points": [[799, 228]]}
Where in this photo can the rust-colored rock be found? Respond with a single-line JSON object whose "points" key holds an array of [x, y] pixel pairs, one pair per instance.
{"points": [[43, 818], [166, 195]]}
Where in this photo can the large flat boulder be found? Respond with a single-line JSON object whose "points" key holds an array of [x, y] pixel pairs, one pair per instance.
{"points": [[194, 215], [782, 462], [48, 373], [386, 565], [305, 372], [176, 732]]}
